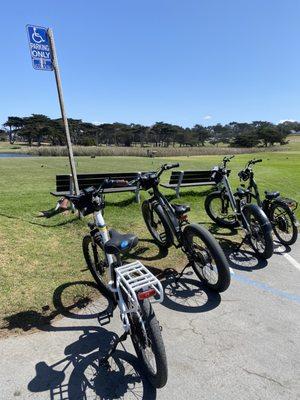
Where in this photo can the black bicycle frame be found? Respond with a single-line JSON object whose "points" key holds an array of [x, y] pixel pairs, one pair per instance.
{"points": [[255, 195], [235, 202], [171, 218]]}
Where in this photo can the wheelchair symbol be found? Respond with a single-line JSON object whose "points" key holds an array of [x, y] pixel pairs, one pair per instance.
{"points": [[36, 37]]}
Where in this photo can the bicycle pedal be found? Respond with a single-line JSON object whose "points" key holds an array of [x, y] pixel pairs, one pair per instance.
{"points": [[104, 318]]}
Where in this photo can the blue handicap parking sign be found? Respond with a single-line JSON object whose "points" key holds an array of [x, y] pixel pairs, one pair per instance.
{"points": [[39, 48]]}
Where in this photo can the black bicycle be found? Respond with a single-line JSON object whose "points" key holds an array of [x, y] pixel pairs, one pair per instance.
{"points": [[168, 225], [280, 210], [231, 210]]}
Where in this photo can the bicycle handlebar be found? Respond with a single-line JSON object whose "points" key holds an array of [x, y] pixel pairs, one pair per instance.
{"points": [[166, 167], [109, 183], [163, 168], [253, 161], [227, 159]]}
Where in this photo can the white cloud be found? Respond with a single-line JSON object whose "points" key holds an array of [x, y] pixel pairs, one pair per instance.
{"points": [[206, 117], [96, 123], [286, 120]]}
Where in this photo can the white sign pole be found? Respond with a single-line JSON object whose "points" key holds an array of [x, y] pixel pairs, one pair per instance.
{"points": [[62, 108]]}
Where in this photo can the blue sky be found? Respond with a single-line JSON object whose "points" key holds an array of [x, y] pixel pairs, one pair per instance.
{"points": [[184, 62]]}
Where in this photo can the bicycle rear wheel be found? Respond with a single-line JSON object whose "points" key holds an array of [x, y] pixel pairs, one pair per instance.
{"points": [[96, 261], [260, 231], [208, 259], [284, 223], [149, 345], [218, 208]]}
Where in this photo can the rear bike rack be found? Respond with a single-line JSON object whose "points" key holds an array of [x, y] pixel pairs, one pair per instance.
{"points": [[135, 277]]}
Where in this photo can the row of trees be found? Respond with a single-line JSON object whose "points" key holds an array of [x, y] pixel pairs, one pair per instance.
{"points": [[40, 128]]}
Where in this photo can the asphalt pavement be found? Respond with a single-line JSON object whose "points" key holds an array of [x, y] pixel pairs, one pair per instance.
{"points": [[243, 344]]}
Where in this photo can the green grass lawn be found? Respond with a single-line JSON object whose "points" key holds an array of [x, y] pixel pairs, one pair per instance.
{"points": [[38, 255]]}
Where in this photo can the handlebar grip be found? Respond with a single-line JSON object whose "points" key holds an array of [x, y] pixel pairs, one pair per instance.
{"points": [[109, 183], [120, 182], [260, 160], [170, 166]]}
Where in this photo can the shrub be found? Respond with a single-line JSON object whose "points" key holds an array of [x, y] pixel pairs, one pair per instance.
{"points": [[60, 151]]}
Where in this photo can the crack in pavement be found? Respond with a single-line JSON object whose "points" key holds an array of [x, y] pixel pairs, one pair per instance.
{"points": [[264, 377], [189, 328]]}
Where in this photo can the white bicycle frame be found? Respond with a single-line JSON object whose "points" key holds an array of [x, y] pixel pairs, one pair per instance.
{"points": [[131, 278]]}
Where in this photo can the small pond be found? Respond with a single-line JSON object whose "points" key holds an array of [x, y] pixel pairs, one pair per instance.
{"points": [[6, 155]]}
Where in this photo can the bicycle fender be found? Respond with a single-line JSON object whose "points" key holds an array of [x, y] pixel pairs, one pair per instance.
{"points": [[158, 207], [262, 214], [281, 201]]}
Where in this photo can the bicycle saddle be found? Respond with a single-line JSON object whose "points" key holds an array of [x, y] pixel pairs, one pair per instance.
{"points": [[120, 243], [271, 195], [240, 192], [181, 209]]}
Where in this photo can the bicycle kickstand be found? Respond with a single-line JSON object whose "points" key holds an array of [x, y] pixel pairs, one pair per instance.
{"points": [[182, 272], [114, 345], [242, 242]]}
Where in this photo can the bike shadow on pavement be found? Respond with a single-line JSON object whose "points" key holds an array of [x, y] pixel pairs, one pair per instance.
{"points": [[280, 248], [79, 374], [188, 294], [241, 259]]}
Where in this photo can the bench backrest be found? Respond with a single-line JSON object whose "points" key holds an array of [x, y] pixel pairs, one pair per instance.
{"points": [[196, 176], [86, 180], [190, 177]]}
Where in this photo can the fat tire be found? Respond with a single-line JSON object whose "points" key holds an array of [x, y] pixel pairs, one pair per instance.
{"points": [[147, 218], [266, 228], [159, 378], [216, 253], [292, 218], [219, 221]]}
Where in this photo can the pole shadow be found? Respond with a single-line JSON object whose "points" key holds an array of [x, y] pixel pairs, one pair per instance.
{"points": [[67, 222]]}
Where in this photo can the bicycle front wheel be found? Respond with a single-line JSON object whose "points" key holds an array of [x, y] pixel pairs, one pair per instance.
{"points": [[260, 231], [156, 223], [208, 259], [149, 345], [284, 223], [96, 261]]}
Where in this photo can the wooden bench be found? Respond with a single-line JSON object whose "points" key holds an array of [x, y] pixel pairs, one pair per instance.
{"points": [[180, 179], [65, 185]]}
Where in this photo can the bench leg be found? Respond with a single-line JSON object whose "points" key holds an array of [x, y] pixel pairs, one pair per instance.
{"points": [[72, 207], [137, 196], [179, 183]]}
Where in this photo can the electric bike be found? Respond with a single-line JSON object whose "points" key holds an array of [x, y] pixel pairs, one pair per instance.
{"points": [[231, 210]]}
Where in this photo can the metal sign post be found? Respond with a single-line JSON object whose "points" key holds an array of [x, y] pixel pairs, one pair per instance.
{"points": [[44, 57], [62, 108]]}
